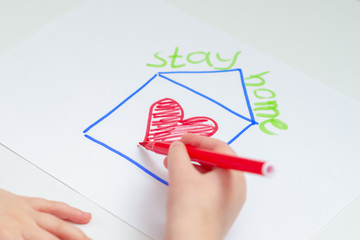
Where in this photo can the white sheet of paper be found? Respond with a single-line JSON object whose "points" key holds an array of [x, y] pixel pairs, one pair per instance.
{"points": [[80, 67]]}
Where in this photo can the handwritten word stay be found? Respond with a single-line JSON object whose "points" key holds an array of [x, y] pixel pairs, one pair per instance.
{"points": [[177, 60]]}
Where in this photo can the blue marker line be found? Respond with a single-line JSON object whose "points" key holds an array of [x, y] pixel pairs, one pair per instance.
{"points": [[129, 159], [241, 132], [119, 105], [218, 71], [208, 98], [246, 95]]}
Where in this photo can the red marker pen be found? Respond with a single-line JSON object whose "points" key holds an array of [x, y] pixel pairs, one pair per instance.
{"points": [[215, 159]]}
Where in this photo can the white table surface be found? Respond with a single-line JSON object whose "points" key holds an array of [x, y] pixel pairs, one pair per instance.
{"points": [[317, 37]]}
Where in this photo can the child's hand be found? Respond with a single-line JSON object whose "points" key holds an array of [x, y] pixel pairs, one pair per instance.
{"points": [[202, 204], [38, 219]]}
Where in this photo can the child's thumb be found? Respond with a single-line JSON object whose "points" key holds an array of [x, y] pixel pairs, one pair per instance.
{"points": [[178, 161]]}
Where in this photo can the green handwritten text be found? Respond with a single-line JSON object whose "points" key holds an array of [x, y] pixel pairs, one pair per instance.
{"points": [[267, 109], [177, 60]]}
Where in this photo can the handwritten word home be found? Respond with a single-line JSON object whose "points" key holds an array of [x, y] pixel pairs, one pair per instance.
{"points": [[267, 107]]}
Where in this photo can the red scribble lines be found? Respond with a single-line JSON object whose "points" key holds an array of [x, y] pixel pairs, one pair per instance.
{"points": [[166, 122]]}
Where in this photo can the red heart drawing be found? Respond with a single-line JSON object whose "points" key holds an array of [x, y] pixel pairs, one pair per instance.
{"points": [[166, 122]]}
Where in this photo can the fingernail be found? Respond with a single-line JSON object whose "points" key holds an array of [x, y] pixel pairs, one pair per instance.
{"points": [[85, 214], [174, 144]]}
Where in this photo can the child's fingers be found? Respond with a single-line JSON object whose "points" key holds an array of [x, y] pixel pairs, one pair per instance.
{"points": [[59, 228], [60, 210], [165, 162], [215, 145], [207, 143], [36, 233], [201, 169], [178, 162]]}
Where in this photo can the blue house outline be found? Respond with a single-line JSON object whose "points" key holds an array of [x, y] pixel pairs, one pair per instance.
{"points": [[162, 75]]}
